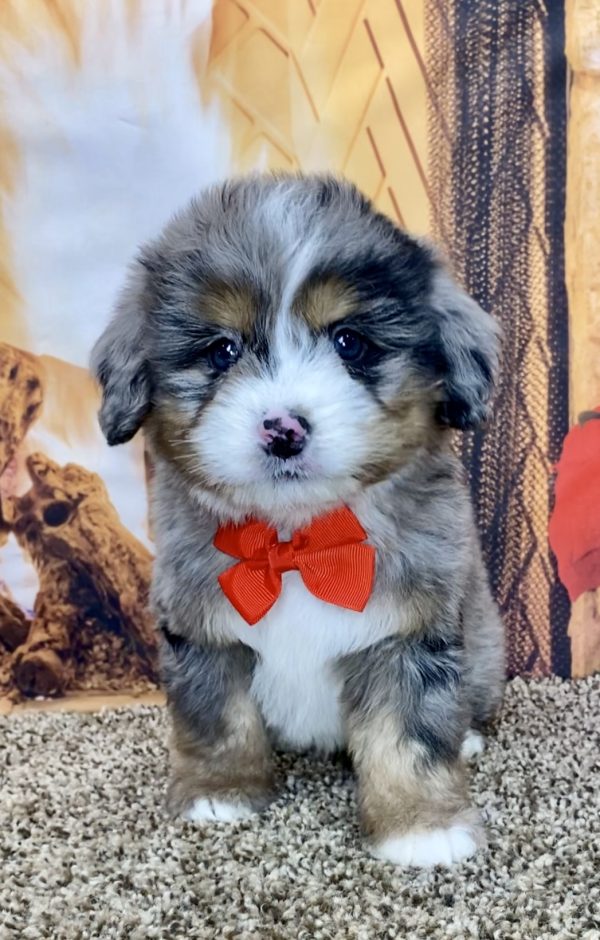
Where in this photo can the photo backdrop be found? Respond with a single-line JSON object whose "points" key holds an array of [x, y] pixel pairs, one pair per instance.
{"points": [[453, 117]]}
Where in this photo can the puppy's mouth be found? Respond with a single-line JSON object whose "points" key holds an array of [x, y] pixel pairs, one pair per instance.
{"points": [[293, 468]]}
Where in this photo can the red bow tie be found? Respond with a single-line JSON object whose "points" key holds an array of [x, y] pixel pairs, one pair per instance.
{"points": [[328, 553]]}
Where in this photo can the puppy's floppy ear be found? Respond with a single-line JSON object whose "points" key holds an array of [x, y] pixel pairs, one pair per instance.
{"points": [[468, 354], [119, 361]]}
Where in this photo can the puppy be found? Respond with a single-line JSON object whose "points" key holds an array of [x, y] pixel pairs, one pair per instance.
{"points": [[297, 363]]}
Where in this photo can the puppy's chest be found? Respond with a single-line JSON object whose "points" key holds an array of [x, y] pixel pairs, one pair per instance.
{"points": [[298, 643]]}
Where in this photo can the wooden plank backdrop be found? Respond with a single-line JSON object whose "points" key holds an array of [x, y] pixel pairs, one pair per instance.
{"points": [[103, 103]]}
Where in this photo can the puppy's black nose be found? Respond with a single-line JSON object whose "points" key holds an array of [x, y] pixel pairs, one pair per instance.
{"points": [[284, 435]]}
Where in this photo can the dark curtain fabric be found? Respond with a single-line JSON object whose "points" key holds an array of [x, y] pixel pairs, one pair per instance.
{"points": [[498, 100]]}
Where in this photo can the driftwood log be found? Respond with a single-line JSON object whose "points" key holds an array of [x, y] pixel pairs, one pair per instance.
{"points": [[4, 528], [14, 625], [21, 395], [91, 569]]}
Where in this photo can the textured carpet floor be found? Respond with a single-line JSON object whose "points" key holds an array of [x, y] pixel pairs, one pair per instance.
{"points": [[86, 851]]}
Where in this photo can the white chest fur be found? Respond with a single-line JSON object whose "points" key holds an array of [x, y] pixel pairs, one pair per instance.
{"points": [[297, 643]]}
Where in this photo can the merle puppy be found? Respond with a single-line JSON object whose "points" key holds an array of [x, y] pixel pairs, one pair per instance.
{"points": [[297, 363]]}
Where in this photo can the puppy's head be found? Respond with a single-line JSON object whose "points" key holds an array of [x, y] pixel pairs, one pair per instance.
{"points": [[286, 345]]}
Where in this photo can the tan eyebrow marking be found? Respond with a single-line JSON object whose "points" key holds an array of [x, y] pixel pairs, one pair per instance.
{"points": [[324, 302], [233, 308]]}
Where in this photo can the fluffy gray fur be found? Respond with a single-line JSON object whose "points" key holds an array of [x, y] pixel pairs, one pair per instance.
{"points": [[430, 360]]}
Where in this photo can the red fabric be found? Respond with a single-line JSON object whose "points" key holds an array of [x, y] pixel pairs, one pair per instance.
{"points": [[333, 563], [574, 529]]}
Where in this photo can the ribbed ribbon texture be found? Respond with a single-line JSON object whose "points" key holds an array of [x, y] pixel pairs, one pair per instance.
{"points": [[333, 562]]}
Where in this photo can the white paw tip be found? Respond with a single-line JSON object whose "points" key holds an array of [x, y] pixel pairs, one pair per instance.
{"points": [[426, 849], [473, 745], [208, 810]]}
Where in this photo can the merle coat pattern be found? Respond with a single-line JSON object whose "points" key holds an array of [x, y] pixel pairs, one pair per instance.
{"points": [[287, 309]]}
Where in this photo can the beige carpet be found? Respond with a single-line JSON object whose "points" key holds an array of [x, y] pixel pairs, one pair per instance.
{"points": [[86, 851]]}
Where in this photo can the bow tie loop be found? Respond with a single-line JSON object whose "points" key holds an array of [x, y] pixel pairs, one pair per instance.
{"points": [[330, 554]]}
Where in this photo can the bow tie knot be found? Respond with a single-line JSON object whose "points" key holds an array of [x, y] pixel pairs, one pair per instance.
{"points": [[282, 557], [329, 554]]}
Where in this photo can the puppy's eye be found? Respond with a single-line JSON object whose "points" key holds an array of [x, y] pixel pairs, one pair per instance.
{"points": [[350, 346], [223, 354]]}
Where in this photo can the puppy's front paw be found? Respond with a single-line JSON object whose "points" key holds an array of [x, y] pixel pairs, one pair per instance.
{"points": [[473, 745], [210, 810], [425, 849]]}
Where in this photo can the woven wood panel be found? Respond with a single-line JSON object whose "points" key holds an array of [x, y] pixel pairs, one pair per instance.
{"points": [[339, 85], [498, 175]]}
